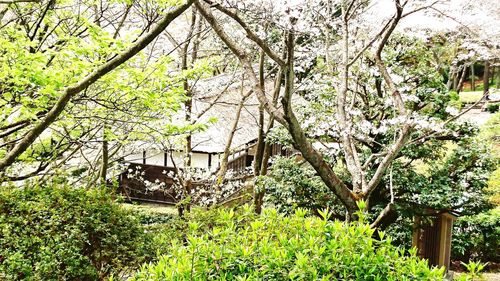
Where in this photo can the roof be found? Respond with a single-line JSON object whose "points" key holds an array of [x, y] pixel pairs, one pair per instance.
{"points": [[220, 98], [217, 98]]}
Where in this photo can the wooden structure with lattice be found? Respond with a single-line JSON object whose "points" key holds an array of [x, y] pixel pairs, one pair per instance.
{"points": [[432, 237]]}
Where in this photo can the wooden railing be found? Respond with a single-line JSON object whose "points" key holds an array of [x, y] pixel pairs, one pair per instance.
{"points": [[134, 189]]}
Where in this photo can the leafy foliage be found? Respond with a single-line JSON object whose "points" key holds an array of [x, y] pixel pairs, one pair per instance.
{"points": [[476, 237], [289, 186], [61, 233], [474, 271], [457, 181], [243, 246]]}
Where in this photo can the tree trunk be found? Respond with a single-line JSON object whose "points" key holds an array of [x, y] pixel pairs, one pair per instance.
{"points": [[188, 107], [259, 196], [261, 138], [105, 157], [227, 150], [486, 78], [462, 78], [455, 81], [472, 78], [451, 77]]}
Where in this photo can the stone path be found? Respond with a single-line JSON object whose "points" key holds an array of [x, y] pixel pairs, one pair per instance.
{"points": [[476, 116]]}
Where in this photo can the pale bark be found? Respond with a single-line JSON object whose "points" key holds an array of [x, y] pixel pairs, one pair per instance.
{"points": [[243, 57], [105, 157], [486, 78], [404, 133], [227, 149], [301, 143], [461, 80], [348, 146], [259, 153], [472, 78]]}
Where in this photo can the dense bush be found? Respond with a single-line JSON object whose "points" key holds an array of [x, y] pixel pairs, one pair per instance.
{"points": [[477, 237], [62, 233], [493, 107], [290, 185], [241, 246]]}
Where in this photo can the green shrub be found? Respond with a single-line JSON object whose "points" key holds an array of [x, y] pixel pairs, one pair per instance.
{"points": [[242, 246], [289, 186], [152, 218], [474, 271], [62, 233], [492, 107], [477, 237]]}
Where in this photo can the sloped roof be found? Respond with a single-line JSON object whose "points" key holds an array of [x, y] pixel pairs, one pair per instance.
{"points": [[220, 97]]}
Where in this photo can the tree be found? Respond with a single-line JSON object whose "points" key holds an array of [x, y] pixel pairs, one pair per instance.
{"points": [[29, 130], [370, 91]]}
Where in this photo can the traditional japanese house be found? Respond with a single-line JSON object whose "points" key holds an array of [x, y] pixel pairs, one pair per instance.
{"points": [[157, 163]]}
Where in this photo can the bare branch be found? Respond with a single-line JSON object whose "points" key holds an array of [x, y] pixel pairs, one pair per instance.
{"points": [[243, 58], [250, 34]]}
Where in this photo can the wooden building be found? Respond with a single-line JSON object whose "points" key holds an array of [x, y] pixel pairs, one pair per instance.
{"points": [[134, 189], [217, 98]]}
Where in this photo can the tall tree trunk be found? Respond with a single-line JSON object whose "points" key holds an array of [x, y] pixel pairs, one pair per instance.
{"points": [[462, 78], [105, 157], [486, 78], [259, 195], [188, 107], [472, 78], [260, 140], [455, 80], [451, 77], [227, 149], [266, 151]]}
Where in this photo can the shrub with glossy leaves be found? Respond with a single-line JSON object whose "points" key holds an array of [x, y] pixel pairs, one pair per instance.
{"points": [[290, 185], [242, 246], [477, 237], [62, 233]]}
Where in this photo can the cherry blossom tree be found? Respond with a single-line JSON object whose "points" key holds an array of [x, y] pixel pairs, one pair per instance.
{"points": [[357, 93]]}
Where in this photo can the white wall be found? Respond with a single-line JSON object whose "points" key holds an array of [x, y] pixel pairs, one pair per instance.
{"points": [[199, 160], [156, 157], [134, 158], [177, 158]]}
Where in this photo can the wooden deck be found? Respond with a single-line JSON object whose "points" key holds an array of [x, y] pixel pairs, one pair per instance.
{"points": [[133, 189]]}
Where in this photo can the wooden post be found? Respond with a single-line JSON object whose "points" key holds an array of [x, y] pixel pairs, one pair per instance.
{"points": [[433, 239]]}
